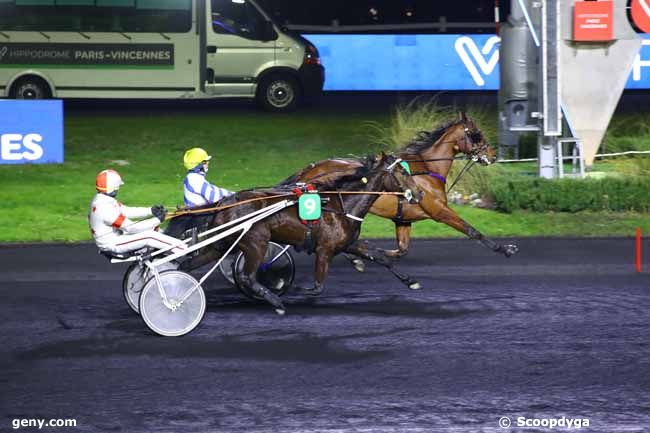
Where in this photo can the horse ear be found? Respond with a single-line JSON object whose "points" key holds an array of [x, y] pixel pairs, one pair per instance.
{"points": [[463, 116]]}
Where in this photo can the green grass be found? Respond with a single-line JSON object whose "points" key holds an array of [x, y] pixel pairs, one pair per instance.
{"points": [[50, 202], [627, 132]]}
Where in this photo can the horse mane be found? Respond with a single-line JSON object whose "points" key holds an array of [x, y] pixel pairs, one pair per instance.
{"points": [[368, 163], [425, 139]]}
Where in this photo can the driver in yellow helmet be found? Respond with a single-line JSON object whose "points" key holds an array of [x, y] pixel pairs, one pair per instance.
{"points": [[196, 190]]}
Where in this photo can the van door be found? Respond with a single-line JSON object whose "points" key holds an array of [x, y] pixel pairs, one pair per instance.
{"points": [[235, 51]]}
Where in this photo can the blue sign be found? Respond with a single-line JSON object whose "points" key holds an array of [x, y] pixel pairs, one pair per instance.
{"points": [[31, 132], [426, 62], [640, 76]]}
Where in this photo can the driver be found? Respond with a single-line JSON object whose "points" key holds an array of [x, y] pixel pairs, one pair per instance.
{"points": [[110, 222], [196, 190]]}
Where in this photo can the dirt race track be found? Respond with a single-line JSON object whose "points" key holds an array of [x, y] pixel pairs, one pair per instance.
{"points": [[562, 329]]}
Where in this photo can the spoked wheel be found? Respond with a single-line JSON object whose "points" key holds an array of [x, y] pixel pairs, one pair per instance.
{"points": [[135, 278], [277, 275], [173, 316]]}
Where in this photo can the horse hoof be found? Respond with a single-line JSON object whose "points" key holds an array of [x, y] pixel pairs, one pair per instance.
{"points": [[280, 311], [394, 253], [510, 250], [359, 266], [415, 285], [312, 291]]}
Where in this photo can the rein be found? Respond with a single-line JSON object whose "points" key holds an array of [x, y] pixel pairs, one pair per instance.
{"points": [[218, 208], [456, 158], [271, 197], [469, 165]]}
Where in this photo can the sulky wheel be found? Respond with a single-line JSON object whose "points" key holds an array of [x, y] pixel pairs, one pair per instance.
{"points": [[136, 275], [276, 275], [174, 316]]}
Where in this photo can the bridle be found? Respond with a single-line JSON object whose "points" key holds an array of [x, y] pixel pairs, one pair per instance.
{"points": [[478, 147]]}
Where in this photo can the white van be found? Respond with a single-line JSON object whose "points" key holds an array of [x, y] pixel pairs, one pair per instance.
{"points": [[153, 49]]}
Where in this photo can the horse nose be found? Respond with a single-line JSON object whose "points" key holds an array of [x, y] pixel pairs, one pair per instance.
{"points": [[491, 156], [487, 160]]}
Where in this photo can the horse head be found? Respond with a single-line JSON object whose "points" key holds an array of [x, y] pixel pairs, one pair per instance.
{"points": [[468, 139]]}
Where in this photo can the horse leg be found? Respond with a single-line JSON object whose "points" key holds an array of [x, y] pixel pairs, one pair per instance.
{"points": [[322, 265], [205, 256], [356, 262], [254, 255], [403, 235], [363, 250], [452, 219]]}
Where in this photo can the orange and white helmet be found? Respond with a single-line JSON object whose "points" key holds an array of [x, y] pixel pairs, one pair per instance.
{"points": [[108, 181]]}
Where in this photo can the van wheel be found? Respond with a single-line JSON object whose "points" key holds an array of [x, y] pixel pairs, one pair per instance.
{"points": [[30, 88], [279, 93]]}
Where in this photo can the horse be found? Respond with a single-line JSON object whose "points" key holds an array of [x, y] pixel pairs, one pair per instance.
{"points": [[430, 156], [337, 230]]}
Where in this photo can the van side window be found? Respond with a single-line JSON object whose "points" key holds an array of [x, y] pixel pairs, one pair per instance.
{"points": [[236, 17]]}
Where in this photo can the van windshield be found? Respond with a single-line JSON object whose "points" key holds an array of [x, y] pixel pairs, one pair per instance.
{"points": [[236, 17]]}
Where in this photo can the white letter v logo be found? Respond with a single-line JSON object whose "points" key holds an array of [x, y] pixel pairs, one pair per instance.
{"points": [[466, 46]]}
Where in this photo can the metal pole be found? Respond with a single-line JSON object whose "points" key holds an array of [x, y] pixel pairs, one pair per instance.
{"points": [[546, 164], [574, 158], [560, 159]]}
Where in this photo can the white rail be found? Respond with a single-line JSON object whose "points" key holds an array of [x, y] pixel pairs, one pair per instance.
{"points": [[600, 155]]}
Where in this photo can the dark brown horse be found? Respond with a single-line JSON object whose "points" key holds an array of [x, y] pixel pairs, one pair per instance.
{"points": [[430, 157], [337, 231]]}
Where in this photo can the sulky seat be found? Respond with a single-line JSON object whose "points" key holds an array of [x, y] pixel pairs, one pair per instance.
{"points": [[125, 256]]}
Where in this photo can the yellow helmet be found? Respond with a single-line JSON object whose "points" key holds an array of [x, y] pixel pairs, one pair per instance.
{"points": [[194, 157]]}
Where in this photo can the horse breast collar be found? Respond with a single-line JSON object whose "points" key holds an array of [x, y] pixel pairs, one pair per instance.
{"points": [[432, 174]]}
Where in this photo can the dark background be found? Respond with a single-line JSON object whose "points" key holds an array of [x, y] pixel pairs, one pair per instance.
{"points": [[389, 12]]}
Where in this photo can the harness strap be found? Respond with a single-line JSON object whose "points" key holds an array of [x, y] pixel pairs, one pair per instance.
{"points": [[432, 174], [400, 211], [399, 215], [352, 217], [310, 242], [397, 161], [469, 165]]}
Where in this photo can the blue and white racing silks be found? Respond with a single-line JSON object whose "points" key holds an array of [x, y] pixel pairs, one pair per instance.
{"points": [[199, 192]]}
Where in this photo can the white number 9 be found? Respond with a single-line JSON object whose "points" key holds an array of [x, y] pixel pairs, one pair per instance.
{"points": [[310, 205]]}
